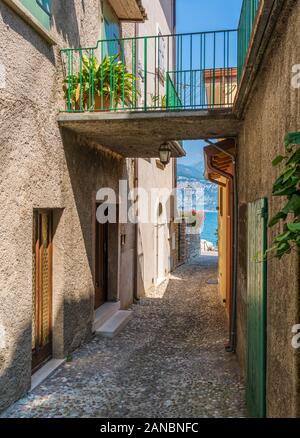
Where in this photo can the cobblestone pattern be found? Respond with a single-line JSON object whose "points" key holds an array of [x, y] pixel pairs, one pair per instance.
{"points": [[168, 362]]}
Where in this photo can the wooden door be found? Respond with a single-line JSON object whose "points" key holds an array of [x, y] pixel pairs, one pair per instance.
{"points": [[42, 288], [256, 309], [101, 264]]}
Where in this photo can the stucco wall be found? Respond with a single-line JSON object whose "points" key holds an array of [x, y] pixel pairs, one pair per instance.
{"points": [[149, 174], [42, 167], [151, 247], [159, 20], [272, 112]]}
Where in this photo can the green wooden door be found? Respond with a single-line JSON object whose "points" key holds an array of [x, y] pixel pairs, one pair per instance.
{"points": [[256, 309]]}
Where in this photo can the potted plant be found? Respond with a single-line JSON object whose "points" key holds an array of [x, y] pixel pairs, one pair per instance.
{"points": [[99, 87], [159, 102]]}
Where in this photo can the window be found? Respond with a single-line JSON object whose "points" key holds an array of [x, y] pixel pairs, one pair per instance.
{"points": [[45, 5], [40, 9], [111, 31]]}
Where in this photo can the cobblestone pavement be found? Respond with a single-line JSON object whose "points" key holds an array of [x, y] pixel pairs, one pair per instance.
{"points": [[168, 362]]}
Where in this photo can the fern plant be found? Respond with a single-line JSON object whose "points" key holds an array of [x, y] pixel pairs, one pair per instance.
{"points": [[105, 85]]}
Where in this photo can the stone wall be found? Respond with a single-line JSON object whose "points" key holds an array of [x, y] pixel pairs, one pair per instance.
{"points": [[273, 111], [179, 252], [193, 245]]}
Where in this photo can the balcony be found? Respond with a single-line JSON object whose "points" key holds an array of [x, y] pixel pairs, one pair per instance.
{"points": [[158, 73], [133, 94]]}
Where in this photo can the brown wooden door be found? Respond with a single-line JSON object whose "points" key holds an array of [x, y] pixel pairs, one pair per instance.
{"points": [[101, 264], [42, 288]]}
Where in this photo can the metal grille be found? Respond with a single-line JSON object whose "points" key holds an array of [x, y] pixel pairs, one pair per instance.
{"points": [[41, 287], [45, 280], [247, 19]]}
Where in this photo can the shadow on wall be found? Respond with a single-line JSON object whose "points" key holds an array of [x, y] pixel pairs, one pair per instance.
{"points": [[89, 170], [66, 22], [165, 5], [18, 25], [73, 310], [15, 369]]}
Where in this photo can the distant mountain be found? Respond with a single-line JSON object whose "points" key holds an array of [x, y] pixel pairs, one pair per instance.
{"points": [[194, 171], [189, 176]]}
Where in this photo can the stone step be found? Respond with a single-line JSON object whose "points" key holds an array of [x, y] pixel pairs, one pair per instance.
{"points": [[106, 311], [114, 324]]}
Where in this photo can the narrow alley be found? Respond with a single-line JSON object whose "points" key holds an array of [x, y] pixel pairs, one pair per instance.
{"points": [[168, 362]]}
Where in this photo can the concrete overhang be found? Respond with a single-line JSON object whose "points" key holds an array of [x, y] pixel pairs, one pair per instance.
{"points": [[129, 10], [140, 134]]}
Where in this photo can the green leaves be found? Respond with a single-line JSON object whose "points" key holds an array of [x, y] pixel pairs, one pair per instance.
{"points": [[293, 206], [277, 218], [287, 184], [109, 80], [294, 228], [278, 160], [284, 237], [285, 187]]}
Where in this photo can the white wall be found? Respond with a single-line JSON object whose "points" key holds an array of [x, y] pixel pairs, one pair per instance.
{"points": [[149, 174]]}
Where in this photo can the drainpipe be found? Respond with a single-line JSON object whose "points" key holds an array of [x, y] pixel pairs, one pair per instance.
{"points": [[136, 236], [231, 347], [136, 226]]}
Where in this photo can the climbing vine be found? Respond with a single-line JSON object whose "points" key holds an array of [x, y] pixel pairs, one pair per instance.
{"points": [[287, 185]]}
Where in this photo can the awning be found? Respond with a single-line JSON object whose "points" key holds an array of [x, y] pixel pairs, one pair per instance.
{"points": [[129, 10], [217, 162]]}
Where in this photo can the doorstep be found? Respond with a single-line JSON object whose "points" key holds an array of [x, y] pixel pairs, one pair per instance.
{"points": [[46, 371], [104, 312], [113, 326]]}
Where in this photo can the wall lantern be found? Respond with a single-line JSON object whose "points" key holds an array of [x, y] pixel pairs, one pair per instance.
{"points": [[165, 154]]}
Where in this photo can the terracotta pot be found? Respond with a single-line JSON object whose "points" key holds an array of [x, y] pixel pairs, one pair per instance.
{"points": [[104, 100]]}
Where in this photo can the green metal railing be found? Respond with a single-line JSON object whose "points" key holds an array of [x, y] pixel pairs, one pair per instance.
{"points": [[163, 72], [173, 99], [247, 19]]}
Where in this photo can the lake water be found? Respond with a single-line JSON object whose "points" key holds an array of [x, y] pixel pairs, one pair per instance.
{"points": [[210, 227]]}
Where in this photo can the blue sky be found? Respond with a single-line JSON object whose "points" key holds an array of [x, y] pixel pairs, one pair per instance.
{"points": [[205, 15]]}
